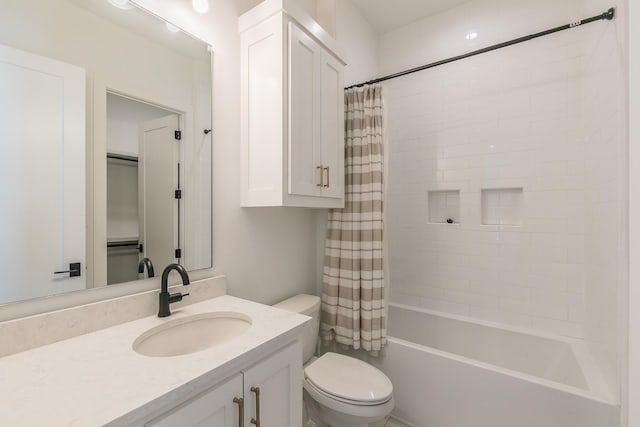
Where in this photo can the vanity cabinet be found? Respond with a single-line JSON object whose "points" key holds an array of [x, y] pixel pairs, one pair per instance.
{"points": [[269, 391], [214, 407], [292, 110]]}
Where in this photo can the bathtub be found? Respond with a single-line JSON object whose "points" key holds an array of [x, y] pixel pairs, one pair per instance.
{"points": [[448, 371]]}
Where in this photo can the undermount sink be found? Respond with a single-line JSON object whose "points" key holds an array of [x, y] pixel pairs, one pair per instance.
{"points": [[191, 334]]}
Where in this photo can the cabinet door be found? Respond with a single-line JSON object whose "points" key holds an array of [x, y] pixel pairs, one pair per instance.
{"points": [[332, 125], [212, 408], [279, 379], [262, 107], [304, 113]]}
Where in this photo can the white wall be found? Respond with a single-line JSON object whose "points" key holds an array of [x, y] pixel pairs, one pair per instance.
{"points": [[606, 224], [631, 376], [544, 116], [443, 35], [501, 120], [359, 41]]}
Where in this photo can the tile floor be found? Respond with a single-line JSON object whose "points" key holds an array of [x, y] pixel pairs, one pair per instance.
{"points": [[395, 423], [391, 422]]}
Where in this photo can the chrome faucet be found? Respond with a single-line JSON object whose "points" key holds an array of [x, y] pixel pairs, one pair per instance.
{"points": [[166, 299], [146, 262]]}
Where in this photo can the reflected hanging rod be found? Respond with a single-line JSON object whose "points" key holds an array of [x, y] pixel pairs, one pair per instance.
{"points": [[123, 157], [123, 244], [608, 15]]}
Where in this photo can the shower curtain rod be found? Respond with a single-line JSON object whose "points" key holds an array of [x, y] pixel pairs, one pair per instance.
{"points": [[608, 15]]}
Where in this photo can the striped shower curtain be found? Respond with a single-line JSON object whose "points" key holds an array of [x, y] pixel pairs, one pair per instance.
{"points": [[353, 312]]}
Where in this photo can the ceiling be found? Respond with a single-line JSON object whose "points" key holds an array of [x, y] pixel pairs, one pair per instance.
{"points": [[385, 15]]}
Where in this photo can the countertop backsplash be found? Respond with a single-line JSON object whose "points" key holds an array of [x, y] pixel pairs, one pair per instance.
{"points": [[34, 331]]}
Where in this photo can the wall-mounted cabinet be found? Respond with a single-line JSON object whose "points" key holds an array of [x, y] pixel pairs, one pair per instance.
{"points": [[292, 110]]}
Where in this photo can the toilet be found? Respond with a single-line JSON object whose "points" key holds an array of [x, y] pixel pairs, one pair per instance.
{"points": [[342, 390]]}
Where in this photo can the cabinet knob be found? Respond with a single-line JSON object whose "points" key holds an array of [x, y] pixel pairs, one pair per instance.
{"points": [[321, 183], [240, 402], [256, 420]]}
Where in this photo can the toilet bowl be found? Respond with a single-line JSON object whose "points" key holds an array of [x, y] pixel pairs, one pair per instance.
{"points": [[344, 391]]}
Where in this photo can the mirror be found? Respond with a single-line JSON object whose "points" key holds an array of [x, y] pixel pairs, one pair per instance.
{"points": [[105, 152]]}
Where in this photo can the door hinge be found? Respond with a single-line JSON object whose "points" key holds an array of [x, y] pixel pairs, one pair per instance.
{"points": [[141, 248], [177, 135], [178, 194], [178, 253]]}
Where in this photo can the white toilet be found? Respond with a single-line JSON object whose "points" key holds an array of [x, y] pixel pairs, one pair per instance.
{"points": [[345, 392]]}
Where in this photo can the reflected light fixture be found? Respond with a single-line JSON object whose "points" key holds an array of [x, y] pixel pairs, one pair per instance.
{"points": [[200, 6], [121, 4], [172, 27], [471, 35]]}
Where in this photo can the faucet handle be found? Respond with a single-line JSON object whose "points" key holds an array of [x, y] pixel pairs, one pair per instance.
{"points": [[176, 297]]}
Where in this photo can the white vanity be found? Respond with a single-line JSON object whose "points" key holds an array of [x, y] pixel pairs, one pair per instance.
{"points": [[99, 379]]}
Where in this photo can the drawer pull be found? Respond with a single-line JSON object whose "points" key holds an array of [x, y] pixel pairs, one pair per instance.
{"points": [[240, 402], [327, 169], [256, 420], [321, 184]]}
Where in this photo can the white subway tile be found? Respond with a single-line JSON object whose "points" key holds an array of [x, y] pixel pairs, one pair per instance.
{"points": [[548, 282], [543, 117], [559, 327]]}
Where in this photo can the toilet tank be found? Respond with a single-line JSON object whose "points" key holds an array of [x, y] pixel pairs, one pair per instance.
{"points": [[309, 305]]}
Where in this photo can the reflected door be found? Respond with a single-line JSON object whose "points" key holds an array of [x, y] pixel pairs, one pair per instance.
{"points": [[42, 173], [157, 182]]}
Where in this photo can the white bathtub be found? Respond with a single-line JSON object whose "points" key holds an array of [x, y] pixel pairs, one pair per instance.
{"points": [[450, 372]]}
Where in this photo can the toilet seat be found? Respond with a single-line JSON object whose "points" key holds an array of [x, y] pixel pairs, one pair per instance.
{"points": [[348, 380], [311, 387], [329, 403]]}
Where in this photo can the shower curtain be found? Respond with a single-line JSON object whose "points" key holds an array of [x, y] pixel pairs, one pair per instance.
{"points": [[353, 311]]}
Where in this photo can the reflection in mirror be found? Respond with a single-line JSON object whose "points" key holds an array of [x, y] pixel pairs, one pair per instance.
{"points": [[142, 177], [105, 128]]}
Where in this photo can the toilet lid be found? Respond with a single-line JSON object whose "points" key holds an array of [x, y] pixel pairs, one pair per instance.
{"points": [[349, 378]]}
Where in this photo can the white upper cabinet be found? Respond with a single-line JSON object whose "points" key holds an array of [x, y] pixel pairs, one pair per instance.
{"points": [[292, 110], [304, 113], [332, 106]]}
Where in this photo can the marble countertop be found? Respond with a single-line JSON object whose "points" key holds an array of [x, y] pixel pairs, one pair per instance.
{"points": [[98, 379]]}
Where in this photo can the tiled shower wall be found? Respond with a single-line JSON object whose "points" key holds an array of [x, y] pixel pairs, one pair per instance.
{"points": [[510, 120], [606, 195]]}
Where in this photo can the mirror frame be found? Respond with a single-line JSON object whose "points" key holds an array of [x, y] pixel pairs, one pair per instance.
{"points": [[95, 156]]}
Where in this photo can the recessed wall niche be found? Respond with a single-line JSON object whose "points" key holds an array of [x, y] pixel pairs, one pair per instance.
{"points": [[444, 206], [502, 206]]}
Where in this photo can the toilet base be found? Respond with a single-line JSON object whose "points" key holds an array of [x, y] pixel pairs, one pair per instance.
{"points": [[318, 415], [311, 412]]}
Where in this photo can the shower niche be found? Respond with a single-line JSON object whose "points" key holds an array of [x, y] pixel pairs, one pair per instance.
{"points": [[444, 207], [502, 206]]}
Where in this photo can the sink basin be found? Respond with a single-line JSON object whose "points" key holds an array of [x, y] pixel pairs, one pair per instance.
{"points": [[191, 334]]}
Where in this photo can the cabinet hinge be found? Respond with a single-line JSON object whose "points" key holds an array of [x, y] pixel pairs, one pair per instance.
{"points": [[178, 194], [177, 135], [178, 253]]}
